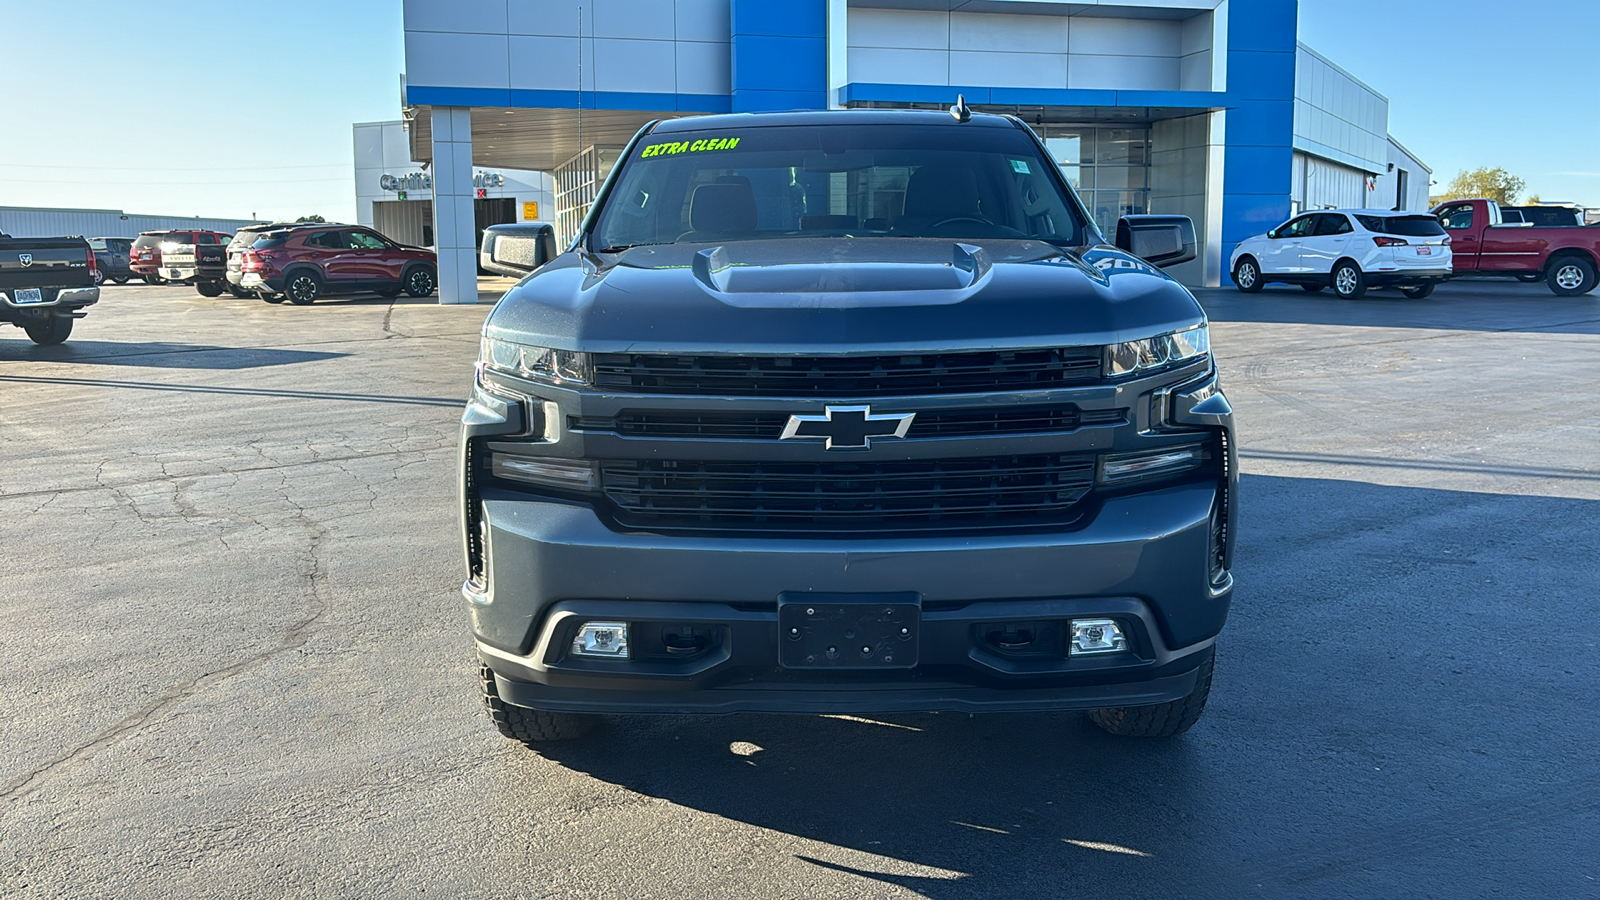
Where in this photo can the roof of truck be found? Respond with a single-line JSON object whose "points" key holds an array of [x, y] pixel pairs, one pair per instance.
{"points": [[830, 117]]}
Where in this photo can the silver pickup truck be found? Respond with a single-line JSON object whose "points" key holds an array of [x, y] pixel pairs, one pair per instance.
{"points": [[45, 283]]}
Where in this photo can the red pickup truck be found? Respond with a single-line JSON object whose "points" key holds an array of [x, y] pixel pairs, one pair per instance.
{"points": [[1566, 257]]}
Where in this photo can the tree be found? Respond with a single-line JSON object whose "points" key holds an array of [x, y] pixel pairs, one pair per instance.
{"points": [[313, 219], [1494, 184], [1535, 200]]}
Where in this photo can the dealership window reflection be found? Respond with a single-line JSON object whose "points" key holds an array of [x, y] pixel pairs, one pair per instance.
{"points": [[1108, 166]]}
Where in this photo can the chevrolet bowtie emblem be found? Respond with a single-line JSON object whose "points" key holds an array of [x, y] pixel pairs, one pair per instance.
{"points": [[847, 427]]}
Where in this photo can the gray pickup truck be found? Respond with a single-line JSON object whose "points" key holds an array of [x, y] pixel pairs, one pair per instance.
{"points": [[848, 412], [45, 283]]}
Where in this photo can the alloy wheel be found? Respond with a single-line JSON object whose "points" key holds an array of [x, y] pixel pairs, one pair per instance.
{"points": [[421, 283], [1569, 277], [1346, 283], [1247, 276]]}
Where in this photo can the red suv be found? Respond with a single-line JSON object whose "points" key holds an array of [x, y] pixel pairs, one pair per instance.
{"points": [[307, 262], [144, 259]]}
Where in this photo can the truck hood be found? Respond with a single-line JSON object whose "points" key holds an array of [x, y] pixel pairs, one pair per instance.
{"points": [[844, 295]]}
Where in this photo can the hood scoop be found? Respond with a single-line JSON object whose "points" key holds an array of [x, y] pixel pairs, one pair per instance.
{"points": [[842, 283]]}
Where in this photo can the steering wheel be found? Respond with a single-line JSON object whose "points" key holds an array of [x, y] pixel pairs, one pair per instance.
{"points": [[978, 219]]}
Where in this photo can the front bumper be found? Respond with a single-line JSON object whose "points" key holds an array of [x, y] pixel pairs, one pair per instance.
{"points": [[1142, 562]]}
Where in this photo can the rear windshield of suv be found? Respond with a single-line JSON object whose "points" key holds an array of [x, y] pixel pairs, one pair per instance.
{"points": [[1406, 226], [151, 240], [269, 240], [797, 181]]}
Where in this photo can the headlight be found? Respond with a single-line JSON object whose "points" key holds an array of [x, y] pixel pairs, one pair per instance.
{"points": [[536, 363], [1161, 350]]}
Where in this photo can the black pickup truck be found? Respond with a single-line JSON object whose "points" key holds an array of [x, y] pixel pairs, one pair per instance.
{"points": [[45, 283], [848, 412]]}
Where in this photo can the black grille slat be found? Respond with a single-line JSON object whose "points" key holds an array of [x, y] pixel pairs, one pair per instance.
{"points": [[848, 376], [934, 423], [980, 492]]}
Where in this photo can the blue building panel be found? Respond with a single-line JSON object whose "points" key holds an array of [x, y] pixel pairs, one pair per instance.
{"points": [[779, 54], [1259, 156]]}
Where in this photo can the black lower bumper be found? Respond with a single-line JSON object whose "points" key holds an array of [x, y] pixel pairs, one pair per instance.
{"points": [[989, 655], [1404, 279]]}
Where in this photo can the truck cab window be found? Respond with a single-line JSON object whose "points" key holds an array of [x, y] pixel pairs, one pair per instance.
{"points": [[1456, 218]]}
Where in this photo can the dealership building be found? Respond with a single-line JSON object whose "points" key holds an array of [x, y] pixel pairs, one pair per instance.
{"points": [[1205, 108], [394, 192]]}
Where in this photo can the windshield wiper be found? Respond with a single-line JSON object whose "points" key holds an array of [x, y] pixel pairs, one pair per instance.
{"points": [[618, 248]]}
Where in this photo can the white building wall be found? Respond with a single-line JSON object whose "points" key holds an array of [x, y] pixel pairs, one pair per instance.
{"points": [[1387, 193], [643, 46], [1039, 49], [21, 221], [384, 148], [1336, 117]]}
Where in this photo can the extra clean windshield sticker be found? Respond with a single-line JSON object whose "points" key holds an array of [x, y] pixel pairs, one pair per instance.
{"points": [[700, 146], [1020, 166]]}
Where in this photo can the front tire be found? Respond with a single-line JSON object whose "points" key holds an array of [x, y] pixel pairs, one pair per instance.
{"points": [[50, 332], [272, 298], [1418, 292], [302, 288], [530, 726], [420, 281], [1162, 720], [1571, 276], [1247, 276], [1348, 282]]}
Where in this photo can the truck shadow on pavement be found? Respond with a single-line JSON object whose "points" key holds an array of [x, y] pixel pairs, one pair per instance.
{"points": [[1364, 733], [159, 354], [1472, 306]]}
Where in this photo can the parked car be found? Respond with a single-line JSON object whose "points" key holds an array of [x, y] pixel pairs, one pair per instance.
{"points": [[144, 258], [883, 426], [303, 264], [45, 284], [111, 255], [1566, 258], [1350, 250], [180, 259], [516, 249], [243, 240]]}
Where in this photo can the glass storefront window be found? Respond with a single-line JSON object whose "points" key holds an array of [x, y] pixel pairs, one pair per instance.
{"points": [[1121, 177], [1123, 146]]}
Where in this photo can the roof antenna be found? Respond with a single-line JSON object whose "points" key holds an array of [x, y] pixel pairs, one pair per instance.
{"points": [[961, 112]]}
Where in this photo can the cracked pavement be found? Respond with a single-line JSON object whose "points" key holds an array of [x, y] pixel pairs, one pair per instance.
{"points": [[235, 663]]}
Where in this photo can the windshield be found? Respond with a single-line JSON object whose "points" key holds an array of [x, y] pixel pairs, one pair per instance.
{"points": [[945, 181], [152, 240], [1408, 226]]}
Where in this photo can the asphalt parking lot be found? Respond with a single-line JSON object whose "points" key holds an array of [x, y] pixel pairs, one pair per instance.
{"points": [[235, 662]]}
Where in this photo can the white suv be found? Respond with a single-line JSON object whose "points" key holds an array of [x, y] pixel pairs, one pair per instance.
{"points": [[1349, 250]]}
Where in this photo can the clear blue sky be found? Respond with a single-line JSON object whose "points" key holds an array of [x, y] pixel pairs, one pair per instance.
{"points": [[206, 109]]}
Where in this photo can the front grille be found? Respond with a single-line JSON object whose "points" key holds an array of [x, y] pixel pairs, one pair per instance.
{"points": [[848, 376], [904, 495], [938, 423]]}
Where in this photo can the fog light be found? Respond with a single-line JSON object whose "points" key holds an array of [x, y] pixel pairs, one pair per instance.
{"points": [[607, 640], [1093, 636]]}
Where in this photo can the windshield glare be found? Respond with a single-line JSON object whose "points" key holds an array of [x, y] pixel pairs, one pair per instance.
{"points": [[963, 182]]}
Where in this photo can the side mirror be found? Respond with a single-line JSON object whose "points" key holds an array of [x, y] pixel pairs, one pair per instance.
{"points": [[516, 249], [1161, 241]]}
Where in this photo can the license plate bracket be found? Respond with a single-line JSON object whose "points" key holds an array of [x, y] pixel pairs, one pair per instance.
{"points": [[1424, 251], [849, 631], [27, 295]]}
